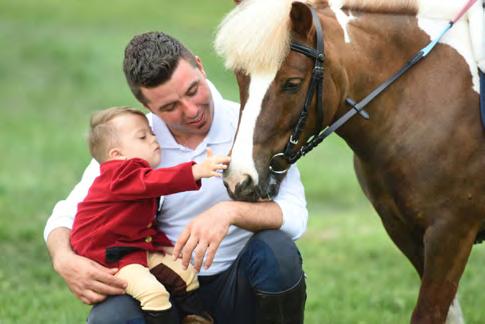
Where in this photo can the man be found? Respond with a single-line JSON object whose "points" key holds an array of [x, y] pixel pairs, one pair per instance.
{"points": [[251, 270]]}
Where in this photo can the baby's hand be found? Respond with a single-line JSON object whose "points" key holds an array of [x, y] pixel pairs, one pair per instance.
{"points": [[209, 167]]}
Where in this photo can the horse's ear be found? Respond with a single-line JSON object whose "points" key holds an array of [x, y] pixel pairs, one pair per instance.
{"points": [[301, 18]]}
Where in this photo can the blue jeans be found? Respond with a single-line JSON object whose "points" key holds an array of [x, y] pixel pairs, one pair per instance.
{"points": [[270, 263]]}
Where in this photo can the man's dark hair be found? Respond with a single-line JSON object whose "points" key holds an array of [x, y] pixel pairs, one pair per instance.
{"points": [[150, 60]]}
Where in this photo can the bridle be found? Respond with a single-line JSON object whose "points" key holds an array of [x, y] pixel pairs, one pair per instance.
{"points": [[316, 83], [289, 155]]}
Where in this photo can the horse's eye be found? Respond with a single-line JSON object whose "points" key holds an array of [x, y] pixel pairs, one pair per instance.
{"points": [[292, 85]]}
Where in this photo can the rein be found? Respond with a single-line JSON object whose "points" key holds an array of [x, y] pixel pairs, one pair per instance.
{"points": [[356, 108]]}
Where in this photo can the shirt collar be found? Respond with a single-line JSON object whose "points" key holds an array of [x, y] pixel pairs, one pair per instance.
{"points": [[223, 124], [221, 131]]}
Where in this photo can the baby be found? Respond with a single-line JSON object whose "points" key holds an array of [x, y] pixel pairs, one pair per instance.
{"points": [[115, 225]]}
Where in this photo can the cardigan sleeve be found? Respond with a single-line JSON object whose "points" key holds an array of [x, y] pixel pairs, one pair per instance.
{"points": [[133, 180]]}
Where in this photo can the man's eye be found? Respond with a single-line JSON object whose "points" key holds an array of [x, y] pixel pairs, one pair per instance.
{"points": [[168, 108], [192, 91], [143, 137]]}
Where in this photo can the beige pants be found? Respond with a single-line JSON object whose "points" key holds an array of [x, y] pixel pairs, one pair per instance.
{"points": [[143, 286]]}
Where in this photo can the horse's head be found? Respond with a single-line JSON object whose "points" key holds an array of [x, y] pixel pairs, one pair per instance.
{"points": [[273, 78]]}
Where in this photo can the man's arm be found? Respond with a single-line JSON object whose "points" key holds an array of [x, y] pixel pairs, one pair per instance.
{"points": [[89, 281], [204, 233]]}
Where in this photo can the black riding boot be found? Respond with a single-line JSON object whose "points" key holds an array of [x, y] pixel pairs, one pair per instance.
{"points": [[285, 308], [161, 317], [191, 308]]}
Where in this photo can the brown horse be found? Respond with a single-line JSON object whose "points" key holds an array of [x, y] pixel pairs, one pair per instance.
{"points": [[420, 155]]}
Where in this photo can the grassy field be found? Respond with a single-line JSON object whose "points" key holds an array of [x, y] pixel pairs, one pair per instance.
{"points": [[61, 60]]}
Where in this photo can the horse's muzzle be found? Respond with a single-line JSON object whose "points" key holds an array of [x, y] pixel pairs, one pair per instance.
{"points": [[246, 190]]}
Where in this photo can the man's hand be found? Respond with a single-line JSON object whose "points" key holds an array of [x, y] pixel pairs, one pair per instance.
{"points": [[88, 280], [204, 234]]}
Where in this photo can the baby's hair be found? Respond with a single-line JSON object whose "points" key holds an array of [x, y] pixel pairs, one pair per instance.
{"points": [[102, 134]]}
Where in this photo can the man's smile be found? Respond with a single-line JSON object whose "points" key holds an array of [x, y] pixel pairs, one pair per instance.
{"points": [[199, 120]]}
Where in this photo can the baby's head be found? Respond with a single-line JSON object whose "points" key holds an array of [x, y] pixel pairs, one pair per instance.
{"points": [[121, 133]]}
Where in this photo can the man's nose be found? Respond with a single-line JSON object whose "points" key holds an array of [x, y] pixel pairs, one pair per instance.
{"points": [[190, 108]]}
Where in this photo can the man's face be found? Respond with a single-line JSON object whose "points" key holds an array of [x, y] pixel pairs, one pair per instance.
{"points": [[184, 102], [136, 139]]}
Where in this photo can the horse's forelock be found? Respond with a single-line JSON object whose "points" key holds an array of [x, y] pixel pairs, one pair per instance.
{"points": [[254, 37]]}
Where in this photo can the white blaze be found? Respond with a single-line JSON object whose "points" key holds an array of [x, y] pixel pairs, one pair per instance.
{"points": [[242, 162]]}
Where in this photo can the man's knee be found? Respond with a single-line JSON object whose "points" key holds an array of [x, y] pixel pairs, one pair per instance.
{"points": [[116, 309], [272, 262]]}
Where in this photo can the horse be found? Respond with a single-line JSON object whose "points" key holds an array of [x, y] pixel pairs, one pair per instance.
{"points": [[419, 145]]}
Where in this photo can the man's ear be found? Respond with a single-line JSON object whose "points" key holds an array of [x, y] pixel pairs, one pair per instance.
{"points": [[143, 103], [301, 19], [200, 66], [116, 154]]}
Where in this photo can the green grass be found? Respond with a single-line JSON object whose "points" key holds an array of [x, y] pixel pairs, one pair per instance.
{"points": [[357, 275], [61, 60]]}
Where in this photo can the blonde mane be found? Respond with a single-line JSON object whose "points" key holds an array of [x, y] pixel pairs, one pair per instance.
{"points": [[254, 37]]}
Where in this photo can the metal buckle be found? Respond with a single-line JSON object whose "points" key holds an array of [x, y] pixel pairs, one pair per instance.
{"points": [[282, 155], [353, 104], [318, 72]]}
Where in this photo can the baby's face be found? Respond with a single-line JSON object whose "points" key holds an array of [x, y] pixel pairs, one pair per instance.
{"points": [[136, 139]]}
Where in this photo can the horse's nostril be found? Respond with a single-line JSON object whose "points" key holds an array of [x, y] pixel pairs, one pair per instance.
{"points": [[248, 181], [245, 185]]}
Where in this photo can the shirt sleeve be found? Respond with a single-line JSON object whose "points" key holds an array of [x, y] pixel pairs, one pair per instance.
{"points": [[291, 199], [65, 210]]}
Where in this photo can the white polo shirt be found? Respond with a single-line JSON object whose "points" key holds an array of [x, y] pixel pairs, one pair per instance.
{"points": [[178, 209]]}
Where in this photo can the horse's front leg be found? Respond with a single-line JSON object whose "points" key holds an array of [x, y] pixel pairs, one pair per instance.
{"points": [[447, 246]]}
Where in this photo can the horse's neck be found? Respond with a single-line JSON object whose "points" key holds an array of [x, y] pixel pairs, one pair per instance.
{"points": [[379, 46]]}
